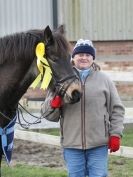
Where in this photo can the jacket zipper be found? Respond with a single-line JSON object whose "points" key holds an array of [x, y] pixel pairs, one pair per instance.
{"points": [[83, 138], [83, 117]]}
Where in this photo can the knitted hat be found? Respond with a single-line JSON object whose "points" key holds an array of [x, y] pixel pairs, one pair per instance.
{"points": [[84, 46]]}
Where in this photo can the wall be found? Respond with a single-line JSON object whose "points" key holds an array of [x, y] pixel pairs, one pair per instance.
{"points": [[99, 20], [21, 15]]}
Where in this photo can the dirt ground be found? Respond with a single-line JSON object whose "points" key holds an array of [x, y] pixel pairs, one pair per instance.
{"points": [[31, 153]]}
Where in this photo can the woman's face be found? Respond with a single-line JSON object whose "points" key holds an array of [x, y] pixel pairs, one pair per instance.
{"points": [[83, 61]]}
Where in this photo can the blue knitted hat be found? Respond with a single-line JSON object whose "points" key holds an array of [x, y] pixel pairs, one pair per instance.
{"points": [[84, 46]]}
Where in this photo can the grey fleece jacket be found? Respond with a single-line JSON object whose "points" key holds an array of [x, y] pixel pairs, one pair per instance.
{"points": [[98, 115]]}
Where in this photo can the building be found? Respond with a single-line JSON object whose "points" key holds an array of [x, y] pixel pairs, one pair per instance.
{"points": [[108, 23]]}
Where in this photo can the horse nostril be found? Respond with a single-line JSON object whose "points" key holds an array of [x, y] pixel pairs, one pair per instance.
{"points": [[76, 95]]}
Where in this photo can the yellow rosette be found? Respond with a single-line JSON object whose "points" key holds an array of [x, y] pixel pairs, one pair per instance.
{"points": [[45, 74]]}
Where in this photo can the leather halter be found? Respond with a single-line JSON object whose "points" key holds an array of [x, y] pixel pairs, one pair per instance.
{"points": [[60, 85]]}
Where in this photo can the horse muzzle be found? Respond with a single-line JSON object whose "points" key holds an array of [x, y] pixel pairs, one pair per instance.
{"points": [[73, 93], [69, 89]]}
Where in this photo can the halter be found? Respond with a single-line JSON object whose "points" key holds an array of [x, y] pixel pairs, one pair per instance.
{"points": [[60, 85]]}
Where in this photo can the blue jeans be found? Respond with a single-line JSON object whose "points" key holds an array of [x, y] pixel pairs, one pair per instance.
{"points": [[91, 162]]}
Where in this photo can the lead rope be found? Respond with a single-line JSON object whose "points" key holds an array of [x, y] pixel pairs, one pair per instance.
{"points": [[28, 124], [61, 122]]}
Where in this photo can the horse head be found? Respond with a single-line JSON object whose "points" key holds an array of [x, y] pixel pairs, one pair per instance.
{"points": [[64, 80], [18, 67]]}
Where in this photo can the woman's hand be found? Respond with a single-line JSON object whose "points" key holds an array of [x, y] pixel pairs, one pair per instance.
{"points": [[56, 102], [114, 143]]}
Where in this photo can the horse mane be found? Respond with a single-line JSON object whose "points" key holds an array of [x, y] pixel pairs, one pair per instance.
{"points": [[16, 46]]}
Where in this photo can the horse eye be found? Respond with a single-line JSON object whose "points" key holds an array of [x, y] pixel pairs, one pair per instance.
{"points": [[54, 59]]}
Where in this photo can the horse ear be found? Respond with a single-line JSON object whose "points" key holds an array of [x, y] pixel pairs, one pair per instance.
{"points": [[48, 37], [61, 29]]}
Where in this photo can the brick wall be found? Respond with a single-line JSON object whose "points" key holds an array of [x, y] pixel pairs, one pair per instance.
{"points": [[116, 65], [114, 48], [125, 91], [35, 94]]}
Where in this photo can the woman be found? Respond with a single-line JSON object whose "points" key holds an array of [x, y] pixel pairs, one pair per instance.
{"points": [[95, 124]]}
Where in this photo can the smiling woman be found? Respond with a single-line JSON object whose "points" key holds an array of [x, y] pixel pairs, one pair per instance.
{"points": [[94, 124]]}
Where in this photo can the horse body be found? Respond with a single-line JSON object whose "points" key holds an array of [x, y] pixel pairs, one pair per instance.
{"points": [[18, 68]]}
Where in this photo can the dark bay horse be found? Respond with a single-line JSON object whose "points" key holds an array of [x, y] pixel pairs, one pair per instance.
{"points": [[18, 69]]}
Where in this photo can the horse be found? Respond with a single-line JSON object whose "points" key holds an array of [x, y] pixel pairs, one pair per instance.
{"points": [[18, 69]]}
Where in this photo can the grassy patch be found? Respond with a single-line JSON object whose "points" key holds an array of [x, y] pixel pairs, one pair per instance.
{"points": [[118, 167], [30, 171], [50, 131], [127, 139]]}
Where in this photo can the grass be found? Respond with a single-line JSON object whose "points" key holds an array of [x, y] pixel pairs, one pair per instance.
{"points": [[118, 167], [50, 131], [127, 139], [30, 171]]}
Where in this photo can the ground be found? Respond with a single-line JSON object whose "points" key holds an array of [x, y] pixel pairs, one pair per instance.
{"points": [[37, 154]]}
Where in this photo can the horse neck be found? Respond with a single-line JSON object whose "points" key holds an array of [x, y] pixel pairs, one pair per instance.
{"points": [[16, 71]]}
